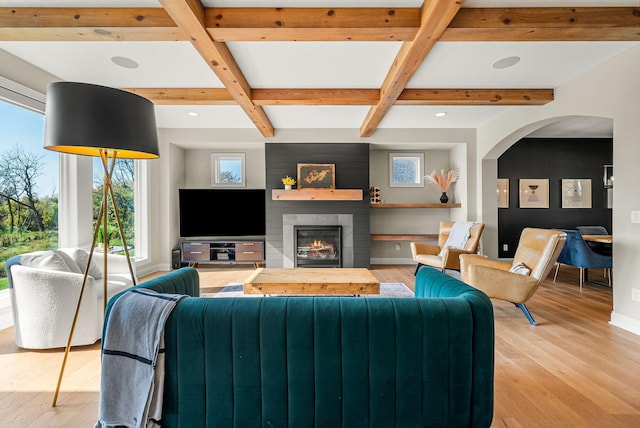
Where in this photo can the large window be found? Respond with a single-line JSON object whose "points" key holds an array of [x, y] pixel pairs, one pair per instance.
{"points": [[130, 182], [123, 184], [28, 185]]}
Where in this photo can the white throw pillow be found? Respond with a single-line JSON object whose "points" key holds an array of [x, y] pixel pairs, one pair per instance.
{"points": [[81, 257], [73, 266], [45, 260], [520, 268]]}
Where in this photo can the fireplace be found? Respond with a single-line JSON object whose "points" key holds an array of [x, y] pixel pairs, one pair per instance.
{"points": [[291, 221], [318, 246]]}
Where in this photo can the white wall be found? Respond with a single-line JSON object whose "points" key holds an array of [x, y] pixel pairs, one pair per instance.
{"points": [[198, 173], [405, 220], [611, 91]]}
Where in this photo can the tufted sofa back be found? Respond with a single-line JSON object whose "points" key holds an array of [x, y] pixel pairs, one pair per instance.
{"points": [[330, 361]]}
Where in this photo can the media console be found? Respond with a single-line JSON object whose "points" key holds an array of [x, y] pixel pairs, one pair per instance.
{"points": [[222, 251]]}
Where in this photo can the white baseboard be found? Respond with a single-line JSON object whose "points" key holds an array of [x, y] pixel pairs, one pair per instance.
{"points": [[146, 270], [625, 322]]}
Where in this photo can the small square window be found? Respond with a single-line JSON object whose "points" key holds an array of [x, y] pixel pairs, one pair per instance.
{"points": [[227, 170], [406, 169]]}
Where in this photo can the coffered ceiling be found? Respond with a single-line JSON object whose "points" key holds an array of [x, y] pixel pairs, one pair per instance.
{"points": [[269, 65]]}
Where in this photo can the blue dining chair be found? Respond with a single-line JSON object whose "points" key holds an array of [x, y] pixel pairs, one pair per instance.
{"points": [[577, 253], [598, 247]]}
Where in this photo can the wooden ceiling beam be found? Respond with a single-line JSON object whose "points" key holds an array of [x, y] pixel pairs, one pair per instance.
{"points": [[185, 96], [310, 24], [87, 24], [315, 96], [436, 16], [545, 24], [189, 16], [475, 97], [293, 96], [321, 24]]}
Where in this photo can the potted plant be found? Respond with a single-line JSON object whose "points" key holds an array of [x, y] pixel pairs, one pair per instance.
{"points": [[112, 232], [443, 181], [288, 182]]}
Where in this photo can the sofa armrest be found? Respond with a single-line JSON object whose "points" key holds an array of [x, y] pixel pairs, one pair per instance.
{"points": [[115, 263], [38, 291], [505, 285], [451, 257], [467, 260], [44, 304], [418, 248]]}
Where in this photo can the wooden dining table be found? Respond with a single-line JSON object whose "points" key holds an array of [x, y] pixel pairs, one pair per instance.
{"points": [[603, 239]]}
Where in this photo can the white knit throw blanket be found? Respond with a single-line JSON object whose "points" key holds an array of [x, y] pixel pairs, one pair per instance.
{"points": [[460, 232]]}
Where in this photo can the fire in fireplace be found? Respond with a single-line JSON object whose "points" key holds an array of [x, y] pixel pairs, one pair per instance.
{"points": [[317, 246]]}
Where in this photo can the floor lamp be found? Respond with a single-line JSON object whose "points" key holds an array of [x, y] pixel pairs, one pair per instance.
{"points": [[93, 120]]}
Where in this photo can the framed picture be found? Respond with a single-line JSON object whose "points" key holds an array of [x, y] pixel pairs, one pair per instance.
{"points": [[534, 193], [576, 193], [503, 193], [316, 175], [227, 170], [406, 170]]}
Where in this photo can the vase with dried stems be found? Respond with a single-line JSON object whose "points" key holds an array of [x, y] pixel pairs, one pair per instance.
{"points": [[443, 181]]}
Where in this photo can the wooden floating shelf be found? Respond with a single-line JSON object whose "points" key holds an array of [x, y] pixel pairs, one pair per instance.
{"points": [[317, 195], [440, 205], [397, 237]]}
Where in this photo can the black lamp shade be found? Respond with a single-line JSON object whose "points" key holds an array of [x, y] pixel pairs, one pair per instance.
{"points": [[82, 118]]}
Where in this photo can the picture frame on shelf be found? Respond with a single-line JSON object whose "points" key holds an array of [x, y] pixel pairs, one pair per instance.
{"points": [[534, 193], [576, 193], [316, 176], [406, 169], [503, 193]]}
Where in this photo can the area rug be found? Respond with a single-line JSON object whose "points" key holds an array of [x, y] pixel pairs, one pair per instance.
{"points": [[387, 289]]}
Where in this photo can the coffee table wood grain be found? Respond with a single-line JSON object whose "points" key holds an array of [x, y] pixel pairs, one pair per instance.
{"points": [[295, 281]]}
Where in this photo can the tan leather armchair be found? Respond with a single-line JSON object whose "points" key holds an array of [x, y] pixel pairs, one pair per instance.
{"points": [[537, 251], [428, 254]]}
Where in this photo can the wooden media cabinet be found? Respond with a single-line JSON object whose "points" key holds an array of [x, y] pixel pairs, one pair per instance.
{"points": [[223, 251]]}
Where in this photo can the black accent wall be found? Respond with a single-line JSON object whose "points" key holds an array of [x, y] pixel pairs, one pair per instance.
{"points": [[555, 159], [352, 172]]}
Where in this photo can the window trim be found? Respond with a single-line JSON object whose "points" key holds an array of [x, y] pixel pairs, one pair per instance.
{"points": [[216, 169], [141, 210]]}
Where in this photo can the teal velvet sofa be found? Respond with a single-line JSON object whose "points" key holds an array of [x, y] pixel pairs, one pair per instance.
{"points": [[332, 362]]}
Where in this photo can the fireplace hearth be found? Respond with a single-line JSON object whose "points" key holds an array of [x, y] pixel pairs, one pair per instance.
{"points": [[318, 246]]}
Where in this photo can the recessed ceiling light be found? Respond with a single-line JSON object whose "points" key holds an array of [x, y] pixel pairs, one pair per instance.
{"points": [[507, 62], [441, 114], [124, 62], [193, 113]]}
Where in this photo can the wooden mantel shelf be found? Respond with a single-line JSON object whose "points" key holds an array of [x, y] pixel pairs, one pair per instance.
{"points": [[317, 195], [437, 205]]}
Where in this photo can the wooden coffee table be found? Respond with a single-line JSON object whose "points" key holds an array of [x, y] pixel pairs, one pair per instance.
{"points": [[295, 281]]}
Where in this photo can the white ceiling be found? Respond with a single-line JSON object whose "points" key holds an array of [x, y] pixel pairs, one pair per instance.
{"points": [[325, 65]]}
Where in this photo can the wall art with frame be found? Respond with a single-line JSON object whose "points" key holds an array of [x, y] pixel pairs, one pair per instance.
{"points": [[534, 193], [576, 193], [316, 175], [503, 193], [406, 169]]}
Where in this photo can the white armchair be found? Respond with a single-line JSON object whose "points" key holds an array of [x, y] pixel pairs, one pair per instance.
{"points": [[44, 289]]}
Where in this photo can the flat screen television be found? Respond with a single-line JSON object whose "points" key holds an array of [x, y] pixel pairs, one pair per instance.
{"points": [[222, 213]]}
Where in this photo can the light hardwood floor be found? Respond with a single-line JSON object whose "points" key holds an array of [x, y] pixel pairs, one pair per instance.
{"points": [[572, 370]]}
